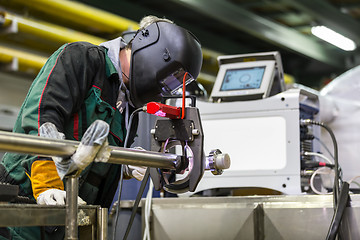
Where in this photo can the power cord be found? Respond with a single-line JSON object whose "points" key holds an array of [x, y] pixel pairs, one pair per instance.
{"points": [[337, 181], [137, 201], [344, 201], [324, 146], [318, 155], [322, 170], [341, 198], [136, 111], [325, 168], [147, 211]]}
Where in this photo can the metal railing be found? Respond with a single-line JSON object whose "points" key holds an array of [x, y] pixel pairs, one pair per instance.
{"points": [[34, 145]]}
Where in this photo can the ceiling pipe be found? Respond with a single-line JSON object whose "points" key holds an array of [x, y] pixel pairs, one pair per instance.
{"points": [[20, 60], [81, 14], [91, 18], [88, 17], [43, 30]]}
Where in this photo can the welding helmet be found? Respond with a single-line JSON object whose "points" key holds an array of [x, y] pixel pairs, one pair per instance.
{"points": [[161, 54]]}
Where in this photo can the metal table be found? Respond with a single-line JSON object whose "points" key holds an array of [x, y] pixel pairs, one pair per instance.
{"points": [[281, 217], [93, 217]]}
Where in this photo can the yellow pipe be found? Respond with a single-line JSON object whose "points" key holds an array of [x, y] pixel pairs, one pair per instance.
{"points": [[27, 62], [88, 17], [49, 31], [93, 18], [79, 13]]}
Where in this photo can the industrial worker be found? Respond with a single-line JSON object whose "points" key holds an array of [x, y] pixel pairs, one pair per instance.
{"points": [[89, 89]]}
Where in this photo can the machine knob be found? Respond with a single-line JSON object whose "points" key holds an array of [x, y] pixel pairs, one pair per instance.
{"points": [[222, 161], [217, 162]]}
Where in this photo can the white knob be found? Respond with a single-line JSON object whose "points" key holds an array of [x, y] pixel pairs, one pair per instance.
{"points": [[222, 161]]}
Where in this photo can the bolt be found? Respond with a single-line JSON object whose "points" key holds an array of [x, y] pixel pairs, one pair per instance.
{"points": [[195, 132]]}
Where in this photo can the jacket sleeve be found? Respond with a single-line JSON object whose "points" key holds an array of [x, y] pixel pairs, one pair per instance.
{"points": [[68, 83], [56, 94], [61, 86]]}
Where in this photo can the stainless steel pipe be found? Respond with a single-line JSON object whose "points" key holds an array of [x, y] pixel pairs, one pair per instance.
{"points": [[71, 217], [102, 224], [34, 145]]}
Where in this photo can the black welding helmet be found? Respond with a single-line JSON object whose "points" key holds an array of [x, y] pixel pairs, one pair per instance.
{"points": [[161, 54]]}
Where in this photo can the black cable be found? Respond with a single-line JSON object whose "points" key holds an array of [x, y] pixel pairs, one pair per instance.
{"points": [[137, 201], [118, 202], [324, 146], [136, 111], [336, 159], [330, 154], [340, 199], [340, 209]]}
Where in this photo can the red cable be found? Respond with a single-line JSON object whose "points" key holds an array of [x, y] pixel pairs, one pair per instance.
{"points": [[183, 98]]}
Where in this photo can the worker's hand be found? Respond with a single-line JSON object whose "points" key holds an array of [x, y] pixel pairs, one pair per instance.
{"points": [[55, 197], [93, 146], [135, 172]]}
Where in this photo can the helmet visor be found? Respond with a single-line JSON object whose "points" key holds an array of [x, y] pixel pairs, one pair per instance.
{"points": [[174, 81]]}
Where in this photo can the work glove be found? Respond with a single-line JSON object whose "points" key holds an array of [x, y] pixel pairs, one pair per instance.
{"points": [[93, 146], [55, 197], [136, 172]]}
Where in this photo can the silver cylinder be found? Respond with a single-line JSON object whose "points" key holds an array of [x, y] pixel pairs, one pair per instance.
{"points": [[102, 223], [142, 158], [29, 144], [71, 224], [34, 145]]}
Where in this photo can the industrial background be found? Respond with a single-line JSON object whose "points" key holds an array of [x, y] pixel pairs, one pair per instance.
{"points": [[268, 129]]}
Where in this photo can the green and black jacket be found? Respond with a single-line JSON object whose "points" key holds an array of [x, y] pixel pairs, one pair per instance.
{"points": [[77, 85]]}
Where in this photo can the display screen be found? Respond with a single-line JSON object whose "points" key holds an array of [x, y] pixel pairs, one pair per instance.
{"points": [[243, 78]]}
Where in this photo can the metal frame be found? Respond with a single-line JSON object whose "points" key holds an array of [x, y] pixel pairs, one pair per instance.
{"points": [[13, 215], [22, 143]]}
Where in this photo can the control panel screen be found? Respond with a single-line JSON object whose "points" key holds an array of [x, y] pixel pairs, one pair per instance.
{"points": [[243, 78]]}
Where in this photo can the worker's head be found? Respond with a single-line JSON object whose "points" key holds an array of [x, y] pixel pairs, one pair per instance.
{"points": [[161, 53]]}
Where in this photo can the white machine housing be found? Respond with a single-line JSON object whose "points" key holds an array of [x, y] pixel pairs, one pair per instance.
{"points": [[262, 138]]}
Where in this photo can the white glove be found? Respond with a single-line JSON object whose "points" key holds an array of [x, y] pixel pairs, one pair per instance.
{"points": [[55, 197], [93, 145], [135, 172], [94, 139]]}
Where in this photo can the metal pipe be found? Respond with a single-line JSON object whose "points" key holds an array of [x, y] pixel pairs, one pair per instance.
{"points": [[26, 60], [142, 158], [71, 218], [34, 145], [61, 35], [102, 223], [51, 32], [88, 17]]}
